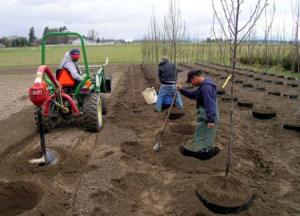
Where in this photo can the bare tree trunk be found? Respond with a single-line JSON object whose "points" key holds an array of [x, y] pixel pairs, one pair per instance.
{"points": [[233, 33], [297, 36]]}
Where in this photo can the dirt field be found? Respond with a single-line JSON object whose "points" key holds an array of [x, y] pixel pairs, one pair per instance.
{"points": [[116, 172]]}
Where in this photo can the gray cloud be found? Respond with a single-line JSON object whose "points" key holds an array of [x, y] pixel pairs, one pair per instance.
{"points": [[114, 18]]}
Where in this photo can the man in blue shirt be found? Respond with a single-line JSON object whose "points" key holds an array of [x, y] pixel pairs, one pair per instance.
{"points": [[202, 144]]}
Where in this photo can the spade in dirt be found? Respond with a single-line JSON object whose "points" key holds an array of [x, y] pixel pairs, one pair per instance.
{"points": [[48, 156], [157, 145]]}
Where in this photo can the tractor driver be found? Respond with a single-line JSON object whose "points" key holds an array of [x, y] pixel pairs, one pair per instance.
{"points": [[70, 62]]}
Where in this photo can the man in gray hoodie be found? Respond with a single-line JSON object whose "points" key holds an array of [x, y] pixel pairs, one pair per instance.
{"points": [[70, 62]]}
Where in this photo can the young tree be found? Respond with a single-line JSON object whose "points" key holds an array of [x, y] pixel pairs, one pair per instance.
{"points": [[230, 12], [175, 28], [296, 17], [155, 38], [268, 28]]}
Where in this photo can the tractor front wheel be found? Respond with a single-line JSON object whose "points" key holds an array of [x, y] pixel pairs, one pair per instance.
{"points": [[92, 112]]}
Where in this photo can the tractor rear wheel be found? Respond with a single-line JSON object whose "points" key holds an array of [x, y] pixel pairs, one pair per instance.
{"points": [[92, 112]]}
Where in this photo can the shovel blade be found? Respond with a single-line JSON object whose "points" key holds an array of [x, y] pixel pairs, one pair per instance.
{"points": [[157, 146]]}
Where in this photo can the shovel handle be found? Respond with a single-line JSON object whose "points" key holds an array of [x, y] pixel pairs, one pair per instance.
{"points": [[225, 83], [169, 110]]}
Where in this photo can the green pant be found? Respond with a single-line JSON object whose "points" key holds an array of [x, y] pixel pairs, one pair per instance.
{"points": [[203, 138]]}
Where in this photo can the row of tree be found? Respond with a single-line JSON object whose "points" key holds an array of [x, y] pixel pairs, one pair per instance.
{"points": [[17, 41], [231, 37], [217, 48]]}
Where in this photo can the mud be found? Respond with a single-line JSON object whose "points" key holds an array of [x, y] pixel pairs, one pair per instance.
{"points": [[116, 172]]}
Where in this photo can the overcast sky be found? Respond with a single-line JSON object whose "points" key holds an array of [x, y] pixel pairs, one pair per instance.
{"points": [[128, 19]]}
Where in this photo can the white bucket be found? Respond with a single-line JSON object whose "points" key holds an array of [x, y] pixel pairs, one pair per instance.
{"points": [[150, 95]]}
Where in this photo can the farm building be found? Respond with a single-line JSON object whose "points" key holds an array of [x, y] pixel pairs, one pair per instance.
{"points": [[86, 42]]}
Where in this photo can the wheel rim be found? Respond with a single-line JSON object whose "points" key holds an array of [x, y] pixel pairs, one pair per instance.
{"points": [[100, 116]]}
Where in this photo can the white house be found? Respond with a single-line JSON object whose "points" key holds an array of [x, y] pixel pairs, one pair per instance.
{"points": [[86, 42]]}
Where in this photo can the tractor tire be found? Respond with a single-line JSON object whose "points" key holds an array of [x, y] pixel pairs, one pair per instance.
{"points": [[49, 122], [104, 104], [92, 112]]}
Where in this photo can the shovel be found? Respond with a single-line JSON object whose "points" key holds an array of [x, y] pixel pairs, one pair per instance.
{"points": [[157, 145]]}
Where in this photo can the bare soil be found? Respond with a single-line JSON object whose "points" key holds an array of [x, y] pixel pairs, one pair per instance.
{"points": [[116, 172]]}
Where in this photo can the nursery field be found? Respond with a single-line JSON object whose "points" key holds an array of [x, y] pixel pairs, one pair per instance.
{"points": [[116, 172]]}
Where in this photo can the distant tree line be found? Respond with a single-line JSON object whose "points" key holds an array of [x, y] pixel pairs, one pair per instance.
{"points": [[32, 40]]}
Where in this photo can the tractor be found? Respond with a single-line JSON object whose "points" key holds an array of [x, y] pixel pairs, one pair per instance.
{"points": [[60, 99]]}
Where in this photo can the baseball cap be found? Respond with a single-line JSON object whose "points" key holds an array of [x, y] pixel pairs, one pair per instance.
{"points": [[192, 73], [75, 53]]}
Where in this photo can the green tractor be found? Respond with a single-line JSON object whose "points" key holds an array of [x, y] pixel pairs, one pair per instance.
{"points": [[57, 102]]}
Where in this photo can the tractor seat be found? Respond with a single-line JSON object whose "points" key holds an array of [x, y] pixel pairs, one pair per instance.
{"points": [[65, 78]]}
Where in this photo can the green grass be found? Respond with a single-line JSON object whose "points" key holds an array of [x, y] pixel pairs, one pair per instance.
{"points": [[131, 53], [31, 56]]}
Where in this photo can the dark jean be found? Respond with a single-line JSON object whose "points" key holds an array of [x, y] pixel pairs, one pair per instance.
{"points": [[164, 94]]}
